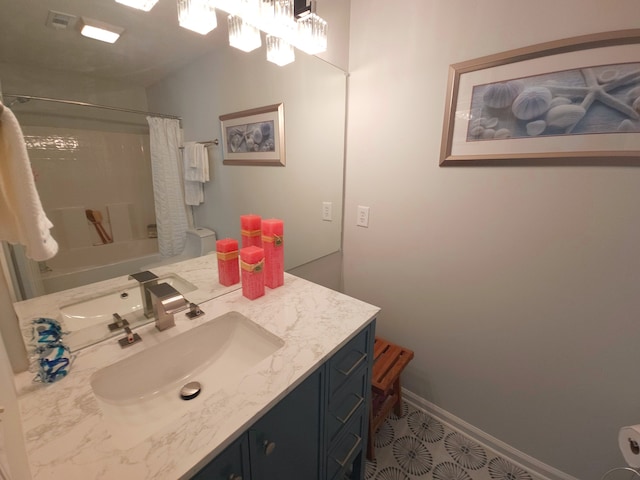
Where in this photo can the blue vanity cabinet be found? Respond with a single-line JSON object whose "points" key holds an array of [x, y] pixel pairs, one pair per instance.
{"points": [[347, 407], [317, 432], [231, 464], [285, 443]]}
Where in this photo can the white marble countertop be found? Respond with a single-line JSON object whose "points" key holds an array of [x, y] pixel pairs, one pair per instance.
{"points": [[68, 436]]}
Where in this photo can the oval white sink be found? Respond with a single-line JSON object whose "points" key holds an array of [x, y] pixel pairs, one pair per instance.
{"points": [[141, 393], [126, 302], [215, 352]]}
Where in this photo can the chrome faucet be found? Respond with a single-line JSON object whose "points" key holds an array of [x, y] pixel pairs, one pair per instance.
{"points": [[146, 279], [166, 302]]}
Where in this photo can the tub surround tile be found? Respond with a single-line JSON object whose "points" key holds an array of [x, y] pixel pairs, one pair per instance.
{"points": [[68, 435]]}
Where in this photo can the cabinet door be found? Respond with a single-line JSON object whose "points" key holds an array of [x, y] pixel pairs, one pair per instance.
{"points": [[285, 443], [231, 464]]}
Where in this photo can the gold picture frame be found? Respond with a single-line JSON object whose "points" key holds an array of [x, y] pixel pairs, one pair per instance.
{"points": [[254, 137], [601, 69]]}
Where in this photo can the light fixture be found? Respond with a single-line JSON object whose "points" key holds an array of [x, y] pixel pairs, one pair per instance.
{"points": [[243, 36], [276, 18], [197, 15], [99, 30], [312, 34], [249, 10], [279, 51], [287, 24], [283, 22], [144, 5]]}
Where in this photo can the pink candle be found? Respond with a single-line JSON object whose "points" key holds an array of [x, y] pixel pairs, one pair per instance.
{"points": [[250, 229], [252, 262], [228, 268], [273, 241]]}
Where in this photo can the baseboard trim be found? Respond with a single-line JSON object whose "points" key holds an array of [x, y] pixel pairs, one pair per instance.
{"points": [[536, 468]]}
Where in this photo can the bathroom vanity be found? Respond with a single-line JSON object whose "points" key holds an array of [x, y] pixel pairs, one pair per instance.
{"points": [[299, 413], [318, 431]]}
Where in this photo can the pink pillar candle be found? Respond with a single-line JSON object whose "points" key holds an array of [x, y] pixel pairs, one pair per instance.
{"points": [[228, 267], [252, 263], [273, 242], [250, 230]]}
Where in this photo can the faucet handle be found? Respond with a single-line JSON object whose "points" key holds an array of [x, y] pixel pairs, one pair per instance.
{"points": [[194, 311], [142, 277], [118, 323], [130, 339]]}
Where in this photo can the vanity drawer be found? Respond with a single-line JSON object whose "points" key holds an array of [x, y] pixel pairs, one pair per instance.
{"points": [[343, 452], [345, 363], [347, 403]]}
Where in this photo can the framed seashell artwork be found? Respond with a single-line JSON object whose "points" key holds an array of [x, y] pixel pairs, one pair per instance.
{"points": [[570, 101], [254, 137]]}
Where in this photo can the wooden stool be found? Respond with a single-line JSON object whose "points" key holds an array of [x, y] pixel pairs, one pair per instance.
{"points": [[388, 362]]}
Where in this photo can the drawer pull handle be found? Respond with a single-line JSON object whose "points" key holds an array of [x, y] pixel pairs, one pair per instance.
{"points": [[269, 447], [343, 462], [353, 410], [354, 366]]}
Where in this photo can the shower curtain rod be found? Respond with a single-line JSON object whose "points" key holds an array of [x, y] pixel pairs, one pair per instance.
{"points": [[85, 104]]}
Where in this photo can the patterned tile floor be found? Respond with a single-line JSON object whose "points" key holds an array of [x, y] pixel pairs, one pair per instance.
{"points": [[419, 446]]}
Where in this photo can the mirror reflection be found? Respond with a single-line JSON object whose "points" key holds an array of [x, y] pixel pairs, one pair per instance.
{"points": [[92, 166]]}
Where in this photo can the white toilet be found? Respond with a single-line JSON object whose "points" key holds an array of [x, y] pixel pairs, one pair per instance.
{"points": [[200, 241]]}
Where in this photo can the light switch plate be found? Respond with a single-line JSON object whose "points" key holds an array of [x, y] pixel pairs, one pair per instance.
{"points": [[362, 219], [327, 214]]}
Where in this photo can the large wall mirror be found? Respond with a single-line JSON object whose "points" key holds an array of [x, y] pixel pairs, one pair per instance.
{"points": [[88, 158]]}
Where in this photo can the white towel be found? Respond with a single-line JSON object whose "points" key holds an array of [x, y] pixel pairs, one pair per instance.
{"points": [[196, 172], [22, 219], [196, 162], [193, 193]]}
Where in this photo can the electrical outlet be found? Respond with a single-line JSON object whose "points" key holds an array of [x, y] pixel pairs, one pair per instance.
{"points": [[362, 219], [326, 211]]}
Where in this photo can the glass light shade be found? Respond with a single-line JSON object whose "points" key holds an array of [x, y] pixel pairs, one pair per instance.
{"points": [[312, 34], [284, 24], [144, 5], [197, 15], [229, 6], [279, 51], [267, 11], [243, 36], [250, 11]]}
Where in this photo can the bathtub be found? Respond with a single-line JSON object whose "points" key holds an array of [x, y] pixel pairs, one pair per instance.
{"points": [[79, 266]]}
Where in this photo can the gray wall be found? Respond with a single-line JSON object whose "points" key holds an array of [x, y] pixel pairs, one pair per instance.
{"points": [[517, 287]]}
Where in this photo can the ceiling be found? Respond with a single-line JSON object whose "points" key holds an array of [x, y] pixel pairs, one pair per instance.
{"points": [[151, 46]]}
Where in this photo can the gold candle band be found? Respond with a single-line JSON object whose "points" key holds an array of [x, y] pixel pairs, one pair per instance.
{"points": [[277, 240], [251, 233], [252, 267], [227, 255]]}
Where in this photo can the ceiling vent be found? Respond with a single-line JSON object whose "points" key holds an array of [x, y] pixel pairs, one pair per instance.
{"points": [[59, 20]]}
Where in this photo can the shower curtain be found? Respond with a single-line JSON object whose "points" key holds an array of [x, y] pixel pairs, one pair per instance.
{"points": [[171, 216]]}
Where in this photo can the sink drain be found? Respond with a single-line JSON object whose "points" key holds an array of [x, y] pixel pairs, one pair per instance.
{"points": [[190, 391]]}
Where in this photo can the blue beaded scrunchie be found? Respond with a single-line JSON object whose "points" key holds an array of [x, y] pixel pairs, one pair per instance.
{"points": [[54, 357]]}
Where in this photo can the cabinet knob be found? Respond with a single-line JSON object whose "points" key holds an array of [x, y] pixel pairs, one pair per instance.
{"points": [[269, 447], [233, 476]]}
